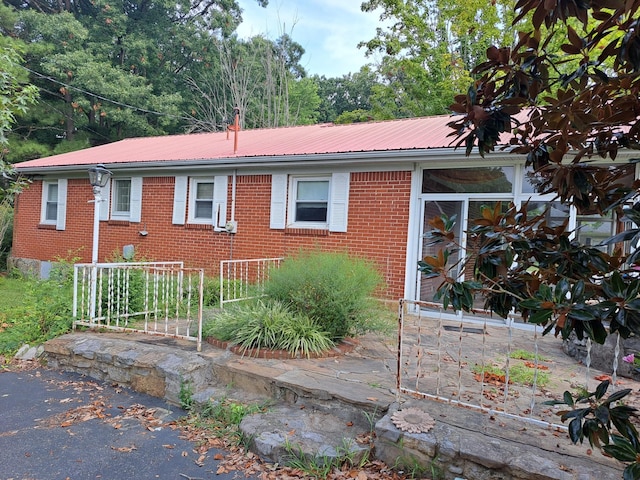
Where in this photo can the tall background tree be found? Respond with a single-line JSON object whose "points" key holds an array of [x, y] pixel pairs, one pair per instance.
{"points": [[429, 47], [347, 98], [107, 70], [263, 78]]}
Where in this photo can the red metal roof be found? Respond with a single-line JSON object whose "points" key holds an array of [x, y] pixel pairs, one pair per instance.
{"points": [[405, 134]]}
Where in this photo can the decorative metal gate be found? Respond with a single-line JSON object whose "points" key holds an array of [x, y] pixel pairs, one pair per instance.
{"points": [[245, 279], [495, 368], [161, 298]]}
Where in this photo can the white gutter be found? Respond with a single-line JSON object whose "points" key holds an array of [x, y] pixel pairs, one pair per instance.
{"points": [[315, 159], [345, 159]]}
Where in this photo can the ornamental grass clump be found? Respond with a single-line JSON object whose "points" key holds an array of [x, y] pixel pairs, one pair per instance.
{"points": [[268, 325], [333, 289]]}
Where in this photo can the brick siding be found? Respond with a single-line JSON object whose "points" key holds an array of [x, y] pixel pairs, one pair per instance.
{"points": [[377, 227]]}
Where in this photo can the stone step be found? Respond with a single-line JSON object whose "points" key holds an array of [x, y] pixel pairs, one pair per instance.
{"points": [[290, 434]]}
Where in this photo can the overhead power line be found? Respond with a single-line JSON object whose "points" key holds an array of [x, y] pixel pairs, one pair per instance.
{"points": [[101, 97]]}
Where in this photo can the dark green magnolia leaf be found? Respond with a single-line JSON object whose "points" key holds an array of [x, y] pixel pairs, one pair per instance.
{"points": [[622, 237], [601, 389], [602, 414], [620, 394], [625, 428], [581, 313], [540, 317], [620, 453], [561, 291], [614, 286], [631, 472], [578, 290], [623, 411], [568, 399], [530, 304], [547, 329], [621, 449], [596, 331], [633, 305], [575, 430], [579, 413]]}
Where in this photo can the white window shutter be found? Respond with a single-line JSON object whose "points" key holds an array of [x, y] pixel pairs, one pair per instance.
{"points": [[278, 201], [135, 205], [220, 199], [61, 220], [180, 200], [104, 205], [339, 208]]}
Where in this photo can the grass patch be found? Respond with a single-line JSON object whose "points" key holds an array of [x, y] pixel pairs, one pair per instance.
{"points": [[34, 311], [519, 374], [220, 419], [310, 302], [522, 354], [12, 293]]}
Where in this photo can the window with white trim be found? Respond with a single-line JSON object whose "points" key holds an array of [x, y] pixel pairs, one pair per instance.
{"points": [[122, 200], [50, 200], [54, 203], [309, 202], [201, 205], [207, 200], [121, 203]]}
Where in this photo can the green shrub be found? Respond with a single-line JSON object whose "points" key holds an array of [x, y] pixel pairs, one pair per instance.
{"points": [[211, 292], [268, 325], [333, 289]]}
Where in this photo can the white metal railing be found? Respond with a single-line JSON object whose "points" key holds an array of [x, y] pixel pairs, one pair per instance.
{"points": [[161, 298], [482, 364], [245, 279]]}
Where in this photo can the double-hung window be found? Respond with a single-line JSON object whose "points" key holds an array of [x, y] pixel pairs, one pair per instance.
{"points": [[54, 203], [201, 204], [121, 203], [309, 201], [51, 203], [122, 200]]}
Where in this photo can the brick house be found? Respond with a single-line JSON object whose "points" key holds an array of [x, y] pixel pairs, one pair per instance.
{"points": [[366, 188]]}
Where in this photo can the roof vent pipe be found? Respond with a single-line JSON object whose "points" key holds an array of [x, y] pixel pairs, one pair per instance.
{"points": [[235, 128]]}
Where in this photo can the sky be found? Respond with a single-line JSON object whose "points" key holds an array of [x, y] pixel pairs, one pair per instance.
{"points": [[328, 30]]}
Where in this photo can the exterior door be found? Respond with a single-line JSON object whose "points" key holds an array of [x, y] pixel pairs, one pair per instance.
{"points": [[433, 208]]}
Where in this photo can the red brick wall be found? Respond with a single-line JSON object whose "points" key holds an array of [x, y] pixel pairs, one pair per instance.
{"points": [[377, 227]]}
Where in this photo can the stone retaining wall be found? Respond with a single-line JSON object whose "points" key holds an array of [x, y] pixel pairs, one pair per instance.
{"points": [[156, 370]]}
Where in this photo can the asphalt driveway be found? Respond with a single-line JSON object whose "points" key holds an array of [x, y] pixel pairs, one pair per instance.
{"points": [[56, 425]]}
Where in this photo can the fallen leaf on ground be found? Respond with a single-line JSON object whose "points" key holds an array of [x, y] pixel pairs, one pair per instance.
{"points": [[124, 449]]}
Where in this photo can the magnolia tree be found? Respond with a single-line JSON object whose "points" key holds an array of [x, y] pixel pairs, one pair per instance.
{"points": [[566, 94]]}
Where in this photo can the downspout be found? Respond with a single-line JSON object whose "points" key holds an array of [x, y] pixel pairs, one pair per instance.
{"points": [[233, 195]]}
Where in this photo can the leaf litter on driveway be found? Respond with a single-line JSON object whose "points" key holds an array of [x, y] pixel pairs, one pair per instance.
{"points": [[229, 456]]}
